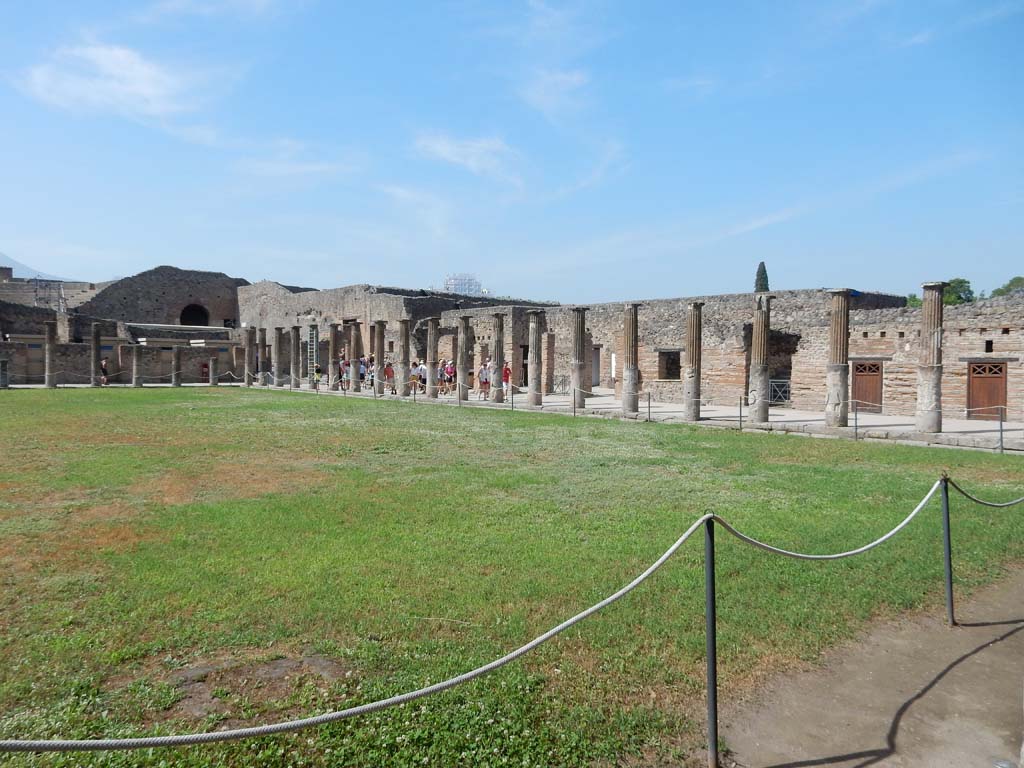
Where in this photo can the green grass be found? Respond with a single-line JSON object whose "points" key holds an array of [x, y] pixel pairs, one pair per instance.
{"points": [[146, 531]]}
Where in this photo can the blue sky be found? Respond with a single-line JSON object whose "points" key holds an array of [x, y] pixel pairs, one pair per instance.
{"points": [[579, 152]]}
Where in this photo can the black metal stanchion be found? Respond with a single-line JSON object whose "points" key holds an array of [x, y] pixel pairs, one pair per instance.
{"points": [[741, 413], [710, 633], [855, 423], [573, 393], [1002, 414], [648, 406], [947, 551]]}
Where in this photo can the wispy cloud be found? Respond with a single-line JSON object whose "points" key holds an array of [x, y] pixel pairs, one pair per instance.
{"points": [[923, 37], [485, 156], [110, 78], [289, 158], [555, 92], [698, 85]]}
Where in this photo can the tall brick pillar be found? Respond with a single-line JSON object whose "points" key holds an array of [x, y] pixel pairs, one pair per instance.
{"points": [[214, 381], [176, 366], [758, 396], [533, 365], [373, 341], [278, 356], [837, 376], [263, 378], [248, 355], [630, 363], [332, 356], [929, 371], [691, 367], [355, 351], [432, 336], [498, 358], [378, 378], [5, 375], [50, 349], [462, 360], [294, 370], [136, 365], [404, 368], [580, 355], [95, 355]]}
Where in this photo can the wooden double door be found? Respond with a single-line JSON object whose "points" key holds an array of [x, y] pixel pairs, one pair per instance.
{"points": [[867, 387], [986, 390]]}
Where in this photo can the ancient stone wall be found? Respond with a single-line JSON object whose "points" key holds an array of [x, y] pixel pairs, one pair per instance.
{"points": [[163, 294]]}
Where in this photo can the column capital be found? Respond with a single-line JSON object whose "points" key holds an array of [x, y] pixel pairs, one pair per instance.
{"points": [[535, 312], [837, 291], [695, 304], [934, 285], [580, 309]]}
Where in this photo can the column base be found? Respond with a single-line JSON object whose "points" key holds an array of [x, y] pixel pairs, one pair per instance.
{"points": [[691, 395], [630, 396], [928, 417], [837, 395], [758, 396], [578, 395]]}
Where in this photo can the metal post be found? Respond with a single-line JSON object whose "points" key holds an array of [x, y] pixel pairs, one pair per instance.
{"points": [[648, 406], [1002, 413], [856, 409], [574, 402], [947, 551], [741, 413], [711, 637], [512, 393]]}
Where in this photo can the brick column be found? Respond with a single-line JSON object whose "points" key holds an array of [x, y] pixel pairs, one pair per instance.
{"points": [[136, 365], [214, 381], [462, 360], [261, 351], [355, 351], [332, 357], [533, 373], [378, 378], [50, 349], [5, 376], [278, 356], [837, 376], [929, 371], [403, 371], [248, 355], [578, 362], [95, 355], [176, 366], [294, 372], [758, 396], [373, 341], [432, 334], [498, 358], [630, 363], [692, 364]]}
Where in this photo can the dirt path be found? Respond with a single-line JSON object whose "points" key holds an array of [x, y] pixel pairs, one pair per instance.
{"points": [[909, 693]]}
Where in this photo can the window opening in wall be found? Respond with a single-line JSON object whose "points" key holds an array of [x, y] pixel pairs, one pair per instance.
{"points": [[1006, 331], [988, 345], [864, 334], [901, 334], [881, 335], [668, 364], [391, 347]]}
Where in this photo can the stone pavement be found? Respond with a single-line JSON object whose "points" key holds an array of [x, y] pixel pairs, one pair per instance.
{"points": [[913, 693]]}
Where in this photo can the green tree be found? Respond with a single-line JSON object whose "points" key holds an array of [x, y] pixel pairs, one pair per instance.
{"points": [[761, 281], [958, 291], [1013, 285], [913, 300]]}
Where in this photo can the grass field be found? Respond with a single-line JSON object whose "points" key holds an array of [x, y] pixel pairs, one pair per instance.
{"points": [[314, 553]]}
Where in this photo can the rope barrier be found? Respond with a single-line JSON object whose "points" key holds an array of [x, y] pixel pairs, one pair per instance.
{"points": [[68, 745], [976, 500]]}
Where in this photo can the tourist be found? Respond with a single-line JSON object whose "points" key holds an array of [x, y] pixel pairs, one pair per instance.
{"points": [[421, 372], [449, 377], [506, 377], [389, 377], [103, 372], [317, 373], [483, 378]]}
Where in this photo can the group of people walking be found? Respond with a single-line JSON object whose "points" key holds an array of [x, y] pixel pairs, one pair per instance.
{"points": [[369, 371]]}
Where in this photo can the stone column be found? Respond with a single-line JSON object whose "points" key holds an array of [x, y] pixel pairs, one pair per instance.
{"points": [[332, 356], [378, 378], [837, 375], [403, 371], [929, 370], [95, 355], [136, 365], [5, 376], [311, 359], [373, 341], [278, 356], [462, 360], [355, 351], [213, 372], [578, 363], [498, 358], [296, 360], [176, 366], [432, 334], [50, 349], [248, 354], [630, 363], [758, 396], [533, 373], [264, 368], [691, 368]]}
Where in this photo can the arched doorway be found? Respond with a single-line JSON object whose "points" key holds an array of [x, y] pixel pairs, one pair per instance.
{"points": [[195, 314]]}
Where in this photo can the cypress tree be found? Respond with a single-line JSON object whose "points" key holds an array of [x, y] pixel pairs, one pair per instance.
{"points": [[761, 281]]}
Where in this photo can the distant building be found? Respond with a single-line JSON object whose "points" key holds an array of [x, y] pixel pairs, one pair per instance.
{"points": [[465, 283]]}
